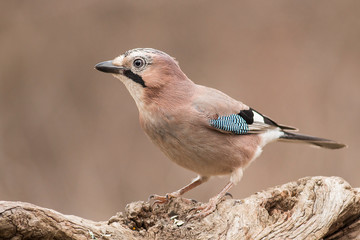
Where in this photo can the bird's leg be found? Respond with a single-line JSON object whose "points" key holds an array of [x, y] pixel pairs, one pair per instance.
{"points": [[210, 207], [163, 199]]}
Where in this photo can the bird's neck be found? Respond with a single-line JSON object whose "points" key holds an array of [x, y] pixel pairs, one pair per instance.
{"points": [[168, 96]]}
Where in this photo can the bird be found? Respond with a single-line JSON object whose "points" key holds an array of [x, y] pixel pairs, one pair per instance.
{"points": [[199, 128]]}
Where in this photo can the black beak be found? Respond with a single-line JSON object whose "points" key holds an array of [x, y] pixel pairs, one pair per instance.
{"points": [[108, 67]]}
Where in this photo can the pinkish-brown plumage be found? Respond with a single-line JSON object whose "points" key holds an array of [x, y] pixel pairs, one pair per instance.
{"points": [[199, 128]]}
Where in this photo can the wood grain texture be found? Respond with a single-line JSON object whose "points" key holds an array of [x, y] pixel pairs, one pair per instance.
{"points": [[310, 208]]}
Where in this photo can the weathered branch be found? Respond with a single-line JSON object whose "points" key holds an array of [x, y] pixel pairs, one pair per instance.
{"points": [[310, 208]]}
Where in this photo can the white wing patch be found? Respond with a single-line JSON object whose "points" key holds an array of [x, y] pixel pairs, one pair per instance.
{"points": [[258, 118], [259, 125]]}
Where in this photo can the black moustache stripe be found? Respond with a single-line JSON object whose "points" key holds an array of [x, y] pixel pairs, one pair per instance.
{"points": [[133, 76]]}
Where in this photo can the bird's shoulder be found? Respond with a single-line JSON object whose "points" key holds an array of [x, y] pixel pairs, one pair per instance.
{"points": [[212, 102]]}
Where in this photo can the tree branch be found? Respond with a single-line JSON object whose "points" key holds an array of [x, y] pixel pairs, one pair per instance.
{"points": [[310, 208]]}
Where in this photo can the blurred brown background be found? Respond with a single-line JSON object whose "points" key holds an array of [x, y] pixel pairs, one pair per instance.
{"points": [[69, 135]]}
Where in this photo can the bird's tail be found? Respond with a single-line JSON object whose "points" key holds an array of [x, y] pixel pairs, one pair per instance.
{"points": [[320, 142]]}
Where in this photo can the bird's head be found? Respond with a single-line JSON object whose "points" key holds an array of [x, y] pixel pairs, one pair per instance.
{"points": [[147, 73]]}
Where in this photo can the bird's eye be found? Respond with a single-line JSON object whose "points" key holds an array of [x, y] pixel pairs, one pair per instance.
{"points": [[139, 62]]}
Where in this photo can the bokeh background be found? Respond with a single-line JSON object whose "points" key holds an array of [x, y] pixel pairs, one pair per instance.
{"points": [[69, 135]]}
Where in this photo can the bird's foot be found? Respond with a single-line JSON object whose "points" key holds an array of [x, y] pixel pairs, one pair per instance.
{"points": [[204, 209], [165, 199], [208, 208], [162, 199]]}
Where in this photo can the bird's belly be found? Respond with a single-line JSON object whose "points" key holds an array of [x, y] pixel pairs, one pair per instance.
{"points": [[205, 151]]}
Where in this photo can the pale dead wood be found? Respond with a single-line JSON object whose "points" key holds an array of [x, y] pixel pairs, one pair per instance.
{"points": [[310, 208]]}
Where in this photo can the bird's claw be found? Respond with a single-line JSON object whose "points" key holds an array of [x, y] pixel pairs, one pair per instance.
{"points": [[153, 196], [162, 199], [158, 199], [204, 210], [227, 194], [165, 199]]}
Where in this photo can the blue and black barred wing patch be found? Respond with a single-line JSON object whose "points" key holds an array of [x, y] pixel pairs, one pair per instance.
{"points": [[246, 122], [233, 123]]}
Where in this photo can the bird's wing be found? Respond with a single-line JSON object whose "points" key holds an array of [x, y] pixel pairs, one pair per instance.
{"points": [[246, 122], [225, 114]]}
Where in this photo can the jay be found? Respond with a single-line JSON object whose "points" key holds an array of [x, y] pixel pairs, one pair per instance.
{"points": [[199, 128]]}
